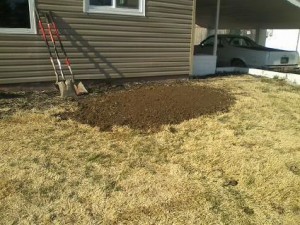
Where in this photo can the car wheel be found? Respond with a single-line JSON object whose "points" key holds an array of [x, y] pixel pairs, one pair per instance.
{"points": [[238, 63]]}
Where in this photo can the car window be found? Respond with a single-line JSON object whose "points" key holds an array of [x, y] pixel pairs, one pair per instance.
{"points": [[209, 42], [250, 42], [239, 42]]}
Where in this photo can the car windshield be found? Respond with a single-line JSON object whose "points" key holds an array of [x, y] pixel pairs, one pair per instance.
{"points": [[209, 42], [241, 42]]}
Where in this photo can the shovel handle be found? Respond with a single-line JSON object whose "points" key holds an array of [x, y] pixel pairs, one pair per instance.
{"points": [[47, 44], [68, 62]]}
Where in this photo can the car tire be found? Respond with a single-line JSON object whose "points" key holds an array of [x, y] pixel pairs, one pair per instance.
{"points": [[238, 63]]}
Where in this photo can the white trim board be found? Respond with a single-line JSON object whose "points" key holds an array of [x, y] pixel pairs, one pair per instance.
{"points": [[31, 30], [87, 8], [289, 77]]}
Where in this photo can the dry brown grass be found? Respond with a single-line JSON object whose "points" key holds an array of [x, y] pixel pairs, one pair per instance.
{"points": [[242, 167]]}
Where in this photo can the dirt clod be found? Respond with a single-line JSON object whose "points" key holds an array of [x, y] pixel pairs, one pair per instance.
{"points": [[150, 107], [295, 169], [231, 183], [172, 130], [248, 211]]}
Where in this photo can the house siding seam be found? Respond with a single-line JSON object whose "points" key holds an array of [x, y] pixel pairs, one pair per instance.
{"points": [[105, 46]]}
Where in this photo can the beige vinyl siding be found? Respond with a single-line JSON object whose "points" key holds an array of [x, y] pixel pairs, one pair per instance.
{"points": [[105, 46]]}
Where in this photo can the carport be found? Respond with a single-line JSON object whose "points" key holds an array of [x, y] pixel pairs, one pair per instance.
{"points": [[243, 14], [249, 14]]}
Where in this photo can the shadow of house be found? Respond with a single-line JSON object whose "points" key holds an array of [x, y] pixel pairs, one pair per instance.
{"points": [[86, 49]]}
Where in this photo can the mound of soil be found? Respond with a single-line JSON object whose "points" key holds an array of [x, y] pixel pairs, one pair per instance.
{"points": [[149, 107]]}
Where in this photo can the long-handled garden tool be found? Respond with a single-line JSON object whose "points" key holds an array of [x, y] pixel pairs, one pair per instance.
{"points": [[78, 86], [60, 83], [68, 90]]}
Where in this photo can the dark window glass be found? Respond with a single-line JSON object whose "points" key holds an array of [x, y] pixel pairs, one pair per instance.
{"points": [[101, 2], [14, 14], [132, 4], [210, 42], [242, 42]]}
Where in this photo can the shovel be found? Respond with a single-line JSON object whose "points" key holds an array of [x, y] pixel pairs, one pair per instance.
{"points": [[66, 88], [77, 86]]}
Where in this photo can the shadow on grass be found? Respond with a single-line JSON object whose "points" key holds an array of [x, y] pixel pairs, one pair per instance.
{"points": [[217, 75]]}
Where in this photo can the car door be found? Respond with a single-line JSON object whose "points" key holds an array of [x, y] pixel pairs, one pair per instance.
{"points": [[206, 48], [221, 52], [234, 48]]}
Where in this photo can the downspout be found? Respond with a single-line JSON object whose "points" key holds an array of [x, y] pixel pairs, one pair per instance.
{"points": [[217, 28]]}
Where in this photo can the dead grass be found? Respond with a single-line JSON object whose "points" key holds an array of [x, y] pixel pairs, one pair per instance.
{"points": [[241, 167]]}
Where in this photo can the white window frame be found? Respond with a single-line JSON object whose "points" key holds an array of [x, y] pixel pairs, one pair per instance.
{"points": [[31, 30], [113, 10]]}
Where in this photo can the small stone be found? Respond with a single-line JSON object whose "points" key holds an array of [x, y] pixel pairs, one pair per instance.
{"points": [[61, 116], [295, 169]]}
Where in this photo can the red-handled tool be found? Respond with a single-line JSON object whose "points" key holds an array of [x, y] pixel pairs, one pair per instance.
{"points": [[54, 46], [79, 87], [65, 87], [47, 44]]}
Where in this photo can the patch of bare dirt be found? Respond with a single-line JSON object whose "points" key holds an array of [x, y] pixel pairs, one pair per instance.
{"points": [[150, 107], [11, 102]]}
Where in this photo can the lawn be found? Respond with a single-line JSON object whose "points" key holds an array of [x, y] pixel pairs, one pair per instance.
{"points": [[236, 167]]}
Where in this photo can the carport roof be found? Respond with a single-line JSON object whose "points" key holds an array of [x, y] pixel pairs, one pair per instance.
{"points": [[235, 14]]}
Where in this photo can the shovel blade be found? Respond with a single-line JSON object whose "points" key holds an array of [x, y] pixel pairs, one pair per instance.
{"points": [[61, 87], [80, 89], [66, 89]]}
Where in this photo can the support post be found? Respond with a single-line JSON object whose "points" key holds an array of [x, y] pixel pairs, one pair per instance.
{"points": [[217, 27], [261, 36], [298, 41], [192, 39]]}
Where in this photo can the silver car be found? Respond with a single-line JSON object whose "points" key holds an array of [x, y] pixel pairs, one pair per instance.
{"points": [[240, 51]]}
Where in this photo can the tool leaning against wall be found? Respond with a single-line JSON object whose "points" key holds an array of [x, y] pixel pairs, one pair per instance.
{"points": [[67, 87]]}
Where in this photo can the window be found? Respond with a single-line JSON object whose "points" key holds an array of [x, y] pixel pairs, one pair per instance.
{"points": [[238, 42], [242, 42], [125, 7], [210, 42], [17, 16]]}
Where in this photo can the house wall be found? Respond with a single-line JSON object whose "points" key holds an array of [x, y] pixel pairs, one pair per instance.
{"points": [[105, 46], [200, 34]]}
